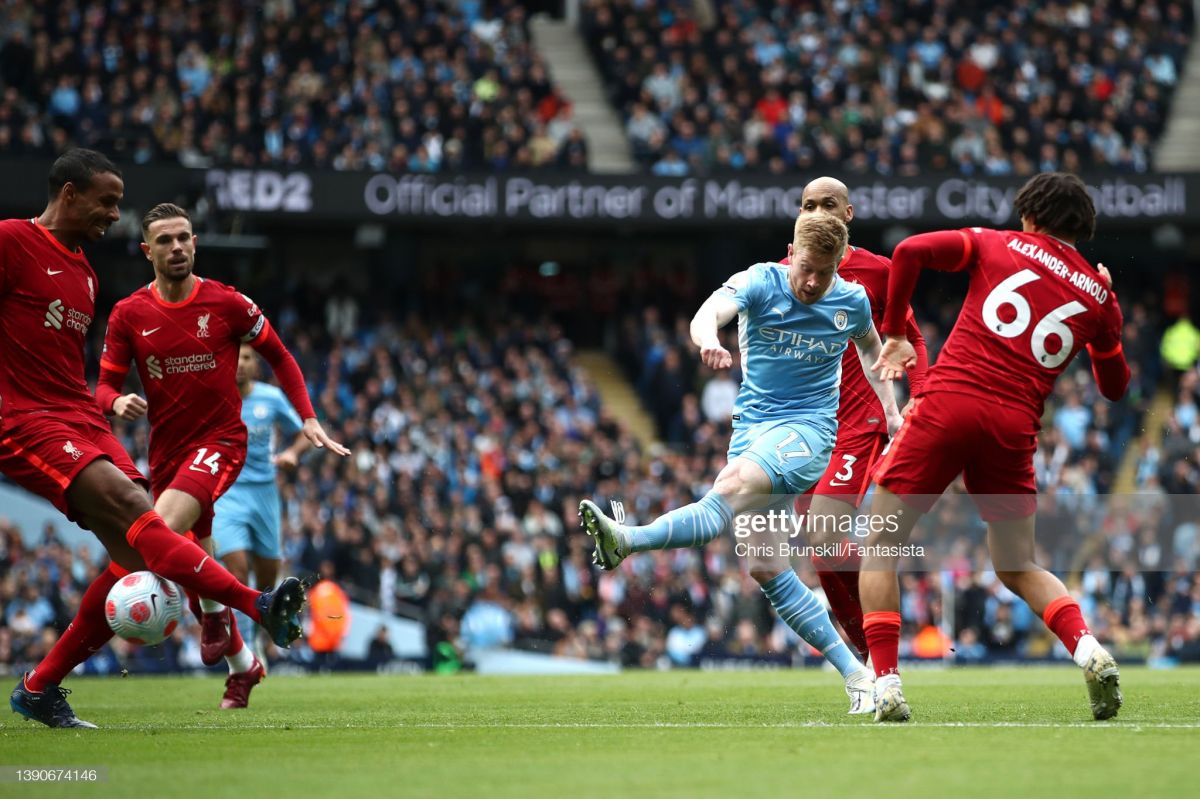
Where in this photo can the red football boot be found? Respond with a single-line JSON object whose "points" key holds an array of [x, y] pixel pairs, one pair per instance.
{"points": [[214, 636], [237, 686]]}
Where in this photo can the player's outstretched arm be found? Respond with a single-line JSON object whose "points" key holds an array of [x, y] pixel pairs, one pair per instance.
{"points": [[1109, 366], [291, 379], [916, 374], [716, 312], [944, 250], [289, 458], [870, 350]]}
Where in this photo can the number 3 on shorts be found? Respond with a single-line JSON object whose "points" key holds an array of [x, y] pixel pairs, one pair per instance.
{"points": [[203, 459], [847, 470], [801, 449]]}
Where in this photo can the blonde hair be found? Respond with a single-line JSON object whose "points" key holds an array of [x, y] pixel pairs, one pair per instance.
{"points": [[822, 234]]}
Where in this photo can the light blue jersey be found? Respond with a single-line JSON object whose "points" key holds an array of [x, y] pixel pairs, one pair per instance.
{"points": [[265, 410], [785, 416], [792, 352], [247, 517]]}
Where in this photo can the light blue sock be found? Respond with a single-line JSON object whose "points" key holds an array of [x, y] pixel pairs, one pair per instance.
{"points": [[802, 611], [690, 526]]}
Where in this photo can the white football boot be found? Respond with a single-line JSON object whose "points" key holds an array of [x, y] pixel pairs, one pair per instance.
{"points": [[612, 542], [860, 687], [890, 704], [1103, 684]]}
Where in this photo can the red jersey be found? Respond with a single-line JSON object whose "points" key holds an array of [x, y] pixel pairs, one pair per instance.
{"points": [[1032, 304], [186, 354], [47, 303], [859, 409]]}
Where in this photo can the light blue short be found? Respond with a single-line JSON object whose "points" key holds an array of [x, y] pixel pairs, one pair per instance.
{"points": [[793, 454], [247, 518]]}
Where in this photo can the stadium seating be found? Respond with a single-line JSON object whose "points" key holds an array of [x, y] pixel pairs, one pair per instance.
{"points": [[404, 85], [889, 88]]}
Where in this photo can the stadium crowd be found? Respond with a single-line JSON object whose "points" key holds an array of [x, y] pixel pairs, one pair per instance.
{"points": [[890, 88], [474, 437], [401, 85]]}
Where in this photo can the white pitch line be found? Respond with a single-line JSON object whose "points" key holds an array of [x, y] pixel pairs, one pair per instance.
{"points": [[1082, 725]]}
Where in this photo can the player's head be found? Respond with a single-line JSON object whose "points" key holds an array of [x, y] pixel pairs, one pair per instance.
{"points": [[827, 196], [818, 244], [247, 368], [86, 189], [168, 241], [1058, 204]]}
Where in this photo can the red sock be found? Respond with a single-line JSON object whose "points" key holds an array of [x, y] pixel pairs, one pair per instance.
{"points": [[235, 638], [1065, 619], [87, 632], [172, 556], [882, 629], [839, 578], [194, 605]]}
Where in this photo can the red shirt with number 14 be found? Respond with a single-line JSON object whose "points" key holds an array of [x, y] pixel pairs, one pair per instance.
{"points": [[186, 354]]}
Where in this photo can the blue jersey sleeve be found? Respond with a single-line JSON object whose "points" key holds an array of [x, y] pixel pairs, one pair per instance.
{"points": [[747, 289], [860, 317]]}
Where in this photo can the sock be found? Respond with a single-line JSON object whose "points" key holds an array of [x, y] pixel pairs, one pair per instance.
{"points": [[690, 526], [86, 633], [802, 611], [882, 630], [1084, 649], [194, 605], [174, 557], [839, 578], [247, 629], [1065, 619], [204, 541], [885, 681], [238, 656]]}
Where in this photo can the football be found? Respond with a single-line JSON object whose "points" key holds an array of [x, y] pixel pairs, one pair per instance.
{"points": [[143, 608]]}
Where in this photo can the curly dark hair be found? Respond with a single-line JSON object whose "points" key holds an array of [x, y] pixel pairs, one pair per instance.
{"points": [[1059, 203]]}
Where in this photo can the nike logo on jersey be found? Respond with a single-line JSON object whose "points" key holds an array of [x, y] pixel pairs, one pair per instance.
{"points": [[837, 483], [201, 564], [151, 330], [53, 272]]}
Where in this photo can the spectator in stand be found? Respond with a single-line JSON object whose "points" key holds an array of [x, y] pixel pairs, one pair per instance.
{"points": [[392, 84], [888, 86]]}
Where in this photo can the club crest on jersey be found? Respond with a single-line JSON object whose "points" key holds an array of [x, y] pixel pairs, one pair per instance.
{"points": [[202, 325], [75, 452], [840, 320], [91, 290]]}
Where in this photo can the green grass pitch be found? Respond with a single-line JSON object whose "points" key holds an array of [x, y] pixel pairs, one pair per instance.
{"points": [[1021, 732]]}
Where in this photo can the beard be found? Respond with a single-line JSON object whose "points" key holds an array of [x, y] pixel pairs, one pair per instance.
{"points": [[177, 273]]}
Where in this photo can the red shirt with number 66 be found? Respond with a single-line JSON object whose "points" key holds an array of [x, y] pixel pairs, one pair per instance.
{"points": [[1033, 303]]}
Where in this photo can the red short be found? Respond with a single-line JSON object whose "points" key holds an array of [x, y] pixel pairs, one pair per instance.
{"points": [[44, 454], [205, 472], [990, 444], [849, 471]]}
